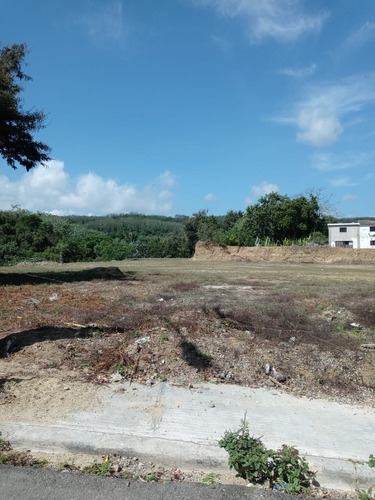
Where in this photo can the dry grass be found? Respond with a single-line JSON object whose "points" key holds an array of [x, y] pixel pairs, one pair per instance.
{"points": [[186, 321]]}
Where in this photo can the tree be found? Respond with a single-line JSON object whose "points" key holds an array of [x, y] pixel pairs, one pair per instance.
{"points": [[279, 217], [17, 126]]}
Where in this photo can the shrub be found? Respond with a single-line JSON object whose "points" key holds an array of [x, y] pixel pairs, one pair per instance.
{"points": [[253, 461]]}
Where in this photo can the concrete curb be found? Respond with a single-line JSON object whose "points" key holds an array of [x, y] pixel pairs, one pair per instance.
{"points": [[181, 427]]}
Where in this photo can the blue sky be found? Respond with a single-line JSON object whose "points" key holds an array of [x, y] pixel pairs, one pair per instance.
{"points": [[172, 106]]}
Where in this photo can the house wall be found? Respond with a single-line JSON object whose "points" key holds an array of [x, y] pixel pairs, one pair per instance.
{"points": [[365, 237], [358, 236], [352, 235]]}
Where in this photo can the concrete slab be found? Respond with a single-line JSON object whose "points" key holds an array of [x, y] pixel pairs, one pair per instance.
{"points": [[182, 426]]}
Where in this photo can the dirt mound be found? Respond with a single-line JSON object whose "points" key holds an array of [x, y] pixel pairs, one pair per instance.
{"points": [[210, 251]]}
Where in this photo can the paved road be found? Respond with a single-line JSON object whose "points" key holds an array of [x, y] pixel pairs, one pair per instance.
{"points": [[18, 483]]}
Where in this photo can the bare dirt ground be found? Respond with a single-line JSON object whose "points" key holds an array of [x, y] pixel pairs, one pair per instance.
{"points": [[66, 329]]}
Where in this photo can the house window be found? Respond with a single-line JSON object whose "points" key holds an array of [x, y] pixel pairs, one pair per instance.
{"points": [[342, 229], [372, 243], [372, 229]]}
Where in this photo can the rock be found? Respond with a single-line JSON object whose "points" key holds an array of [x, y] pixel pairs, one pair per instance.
{"points": [[116, 377], [278, 376], [368, 346], [142, 340], [211, 404]]}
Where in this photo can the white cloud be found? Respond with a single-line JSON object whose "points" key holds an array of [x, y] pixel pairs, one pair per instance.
{"points": [[283, 20], [326, 162], [210, 197], [320, 115], [343, 182], [360, 36], [349, 197], [299, 72], [167, 179], [50, 189], [259, 190], [318, 128], [104, 22]]}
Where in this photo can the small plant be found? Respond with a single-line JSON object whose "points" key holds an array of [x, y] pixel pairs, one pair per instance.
{"points": [[254, 462], [8, 456], [96, 469], [371, 460], [212, 479], [164, 337], [121, 369], [365, 494], [151, 477], [5, 445]]}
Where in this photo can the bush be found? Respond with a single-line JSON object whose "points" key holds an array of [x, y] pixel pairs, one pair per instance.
{"points": [[283, 468]]}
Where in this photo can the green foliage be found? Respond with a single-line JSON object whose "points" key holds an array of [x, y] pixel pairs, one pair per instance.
{"points": [[121, 369], [96, 469], [8, 456], [212, 479], [254, 462], [365, 494], [152, 476], [371, 460], [274, 220], [278, 217], [16, 125]]}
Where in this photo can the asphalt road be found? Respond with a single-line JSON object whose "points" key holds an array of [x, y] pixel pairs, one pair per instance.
{"points": [[19, 483]]}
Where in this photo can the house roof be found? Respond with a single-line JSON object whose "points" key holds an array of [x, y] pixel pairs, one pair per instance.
{"points": [[359, 223]]}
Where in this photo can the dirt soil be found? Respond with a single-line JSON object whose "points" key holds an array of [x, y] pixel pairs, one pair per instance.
{"points": [[65, 330], [305, 254]]}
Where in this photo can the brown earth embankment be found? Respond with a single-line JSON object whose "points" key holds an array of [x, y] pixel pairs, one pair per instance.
{"points": [[210, 251]]}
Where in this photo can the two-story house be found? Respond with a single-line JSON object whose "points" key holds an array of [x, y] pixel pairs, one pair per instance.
{"points": [[352, 234]]}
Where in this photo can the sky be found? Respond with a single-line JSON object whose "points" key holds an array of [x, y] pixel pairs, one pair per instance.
{"points": [[173, 106]]}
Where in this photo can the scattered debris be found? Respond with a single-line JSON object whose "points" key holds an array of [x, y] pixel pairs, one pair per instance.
{"points": [[273, 374], [116, 377], [278, 376], [142, 340], [368, 346]]}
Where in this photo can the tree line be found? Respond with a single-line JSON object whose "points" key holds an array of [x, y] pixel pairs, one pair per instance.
{"points": [[274, 220]]}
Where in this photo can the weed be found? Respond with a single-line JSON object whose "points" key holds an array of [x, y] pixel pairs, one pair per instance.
{"points": [[151, 477], [371, 460], [164, 337], [253, 461], [365, 494], [96, 469], [212, 479], [121, 369], [8, 456], [41, 462], [5, 445], [53, 364]]}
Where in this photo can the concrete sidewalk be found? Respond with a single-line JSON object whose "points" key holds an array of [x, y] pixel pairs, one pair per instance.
{"points": [[181, 427]]}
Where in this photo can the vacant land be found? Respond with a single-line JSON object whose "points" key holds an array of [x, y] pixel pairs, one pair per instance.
{"points": [[67, 328]]}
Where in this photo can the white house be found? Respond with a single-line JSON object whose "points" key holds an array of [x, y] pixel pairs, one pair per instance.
{"points": [[352, 234]]}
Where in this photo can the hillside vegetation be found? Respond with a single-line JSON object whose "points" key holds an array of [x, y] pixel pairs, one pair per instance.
{"points": [[274, 220]]}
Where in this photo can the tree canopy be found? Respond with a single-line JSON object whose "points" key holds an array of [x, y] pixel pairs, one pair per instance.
{"points": [[17, 126]]}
